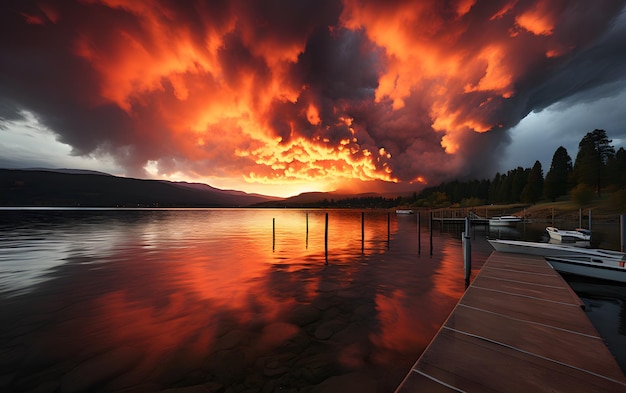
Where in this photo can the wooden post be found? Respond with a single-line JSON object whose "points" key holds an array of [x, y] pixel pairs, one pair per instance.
{"points": [[388, 229], [307, 230], [362, 232], [273, 233], [419, 233], [326, 239], [431, 232], [589, 219]]}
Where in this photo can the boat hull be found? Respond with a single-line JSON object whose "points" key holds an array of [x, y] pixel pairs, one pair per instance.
{"points": [[570, 266]]}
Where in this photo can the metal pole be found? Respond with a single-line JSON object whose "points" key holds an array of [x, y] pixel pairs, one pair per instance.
{"points": [[580, 217], [467, 251]]}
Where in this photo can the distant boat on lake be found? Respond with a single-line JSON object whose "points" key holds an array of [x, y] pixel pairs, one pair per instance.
{"points": [[404, 211]]}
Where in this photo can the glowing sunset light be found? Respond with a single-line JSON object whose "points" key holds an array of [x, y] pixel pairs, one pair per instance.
{"points": [[537, 19], [419, 179], [313, 94]]}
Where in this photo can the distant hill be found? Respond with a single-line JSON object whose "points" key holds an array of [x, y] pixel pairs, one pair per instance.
{"points": [[206, 187], [66, 187], [333, 199], [69, 170]]}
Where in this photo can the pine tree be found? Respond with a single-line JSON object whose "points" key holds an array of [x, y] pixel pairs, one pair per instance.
{"points": [[594, 151], [557, 178], [520, 177], [493, 188], [504, 189], [534, 185], [617, 169]]}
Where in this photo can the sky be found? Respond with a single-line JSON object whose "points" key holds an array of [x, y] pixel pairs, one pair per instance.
{"points": [[280, 97]]}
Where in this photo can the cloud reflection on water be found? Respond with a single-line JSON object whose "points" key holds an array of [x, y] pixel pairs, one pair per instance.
{"points": [[182, 298]]}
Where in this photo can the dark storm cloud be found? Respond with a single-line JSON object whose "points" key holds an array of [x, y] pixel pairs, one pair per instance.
{"points": [[589, 73], [206, 87]]}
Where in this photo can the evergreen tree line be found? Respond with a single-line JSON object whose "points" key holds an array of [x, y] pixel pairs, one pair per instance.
{"points": [[369, 202], [597, 167]]}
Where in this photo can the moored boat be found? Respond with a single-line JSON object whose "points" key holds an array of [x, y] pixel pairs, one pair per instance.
{"points": [[404, 211], [566, 235], [589, 262]]}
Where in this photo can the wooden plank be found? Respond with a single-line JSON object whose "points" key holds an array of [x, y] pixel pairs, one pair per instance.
{"points": [[518, 328]]}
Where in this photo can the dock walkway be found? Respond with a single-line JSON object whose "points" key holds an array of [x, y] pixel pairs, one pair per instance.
{"points": [[518, 328]]}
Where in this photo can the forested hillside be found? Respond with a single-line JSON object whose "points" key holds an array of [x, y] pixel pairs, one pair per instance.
{"points": [[597, 169]]}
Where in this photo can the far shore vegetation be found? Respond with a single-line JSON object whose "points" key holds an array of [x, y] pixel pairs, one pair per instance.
{"points": [[596, 180]]}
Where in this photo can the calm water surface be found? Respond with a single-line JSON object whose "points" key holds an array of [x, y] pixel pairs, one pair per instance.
{"points": [[210, 300]]}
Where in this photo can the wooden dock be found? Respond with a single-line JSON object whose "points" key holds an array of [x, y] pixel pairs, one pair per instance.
{"points": [[518, 328], [457, 216]]}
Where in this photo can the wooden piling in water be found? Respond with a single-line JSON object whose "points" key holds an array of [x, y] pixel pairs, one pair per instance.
{"points": [[273, 234], [388, 229], [419, 233], [430, 225], [362, 232], [326, 239]]}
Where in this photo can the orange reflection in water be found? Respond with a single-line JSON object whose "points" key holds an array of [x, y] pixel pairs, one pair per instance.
{"points": [[188, 298], [400, 323], [189, 287], [412, 312], [448, 279]]}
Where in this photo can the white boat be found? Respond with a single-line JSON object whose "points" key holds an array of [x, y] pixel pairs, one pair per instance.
{"points": [[504, 220], [576, 234], [589, 262], [404, 211]]}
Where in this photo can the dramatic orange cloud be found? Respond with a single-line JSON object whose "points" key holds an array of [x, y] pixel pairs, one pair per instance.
{"points": [[283, 93], [537, 19]]}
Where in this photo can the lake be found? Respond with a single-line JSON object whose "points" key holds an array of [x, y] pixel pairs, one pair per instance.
{"points": [[230, 300]]}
